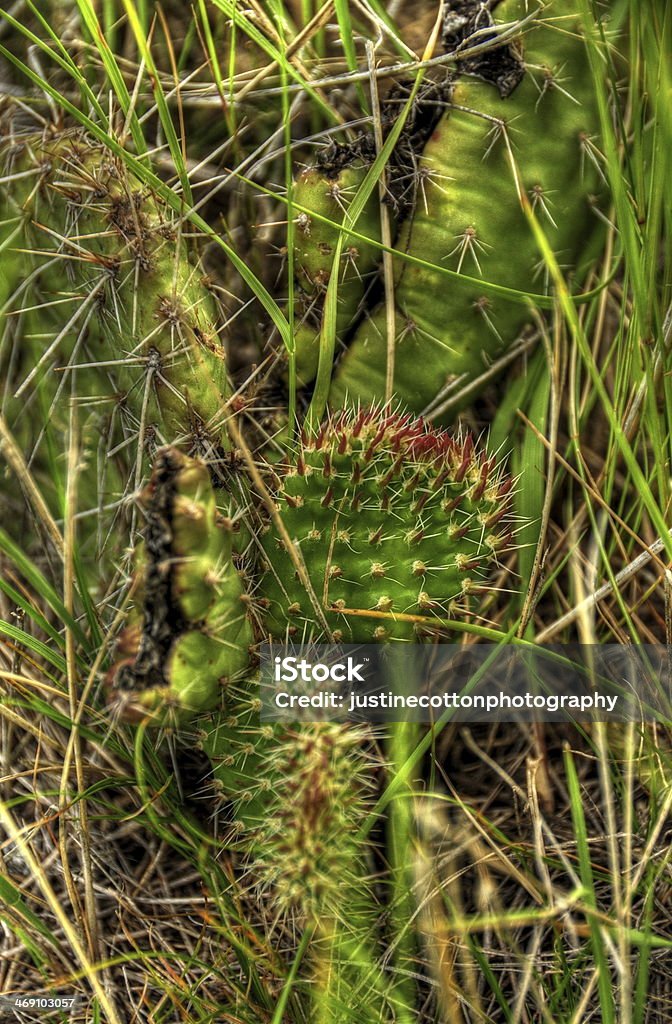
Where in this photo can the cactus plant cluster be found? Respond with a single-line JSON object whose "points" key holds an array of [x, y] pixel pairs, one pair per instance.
{"points": [[399, 519], [410, 518], [386, 514], [383, 528], [532, 143]]}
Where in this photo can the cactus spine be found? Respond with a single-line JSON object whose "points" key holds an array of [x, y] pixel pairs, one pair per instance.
{"points": [[471, 220]]}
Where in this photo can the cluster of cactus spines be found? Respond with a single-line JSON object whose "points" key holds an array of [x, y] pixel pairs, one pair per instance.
{"points": [[191, 635], [390, 517], [469, 217], [326, 190], [118, 315], [308, 847]]}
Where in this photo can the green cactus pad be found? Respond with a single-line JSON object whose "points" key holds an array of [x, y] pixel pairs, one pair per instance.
{"points": [[328, 192], [298, 794], [308, 845], [191, 635], [297, 800], [389, 518], [469, 217], [91, 225], [107, 308]]}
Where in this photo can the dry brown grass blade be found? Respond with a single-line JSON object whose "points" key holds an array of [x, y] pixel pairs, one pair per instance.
{"points": [[90, 969]]}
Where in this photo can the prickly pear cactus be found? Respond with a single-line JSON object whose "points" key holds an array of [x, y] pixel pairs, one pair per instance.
{"points": [[298, 799], [191, 634], [469, 217], [408, 518], [108, 308], [327, 189], [300, 808], [389, 517], [187, 649]]}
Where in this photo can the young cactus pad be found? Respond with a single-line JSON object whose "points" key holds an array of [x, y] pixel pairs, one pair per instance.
{"points": [[193, 634], [388, 517], [469, 217], [297, 801]]}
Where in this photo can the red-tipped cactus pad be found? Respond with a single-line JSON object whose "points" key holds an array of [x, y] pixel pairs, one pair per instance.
{"points": [[394, 522]]}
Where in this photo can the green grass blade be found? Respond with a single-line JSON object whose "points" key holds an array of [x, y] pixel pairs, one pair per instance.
{"points": [[586, 873], [113, 72], [39, 584], [162, 106]]}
